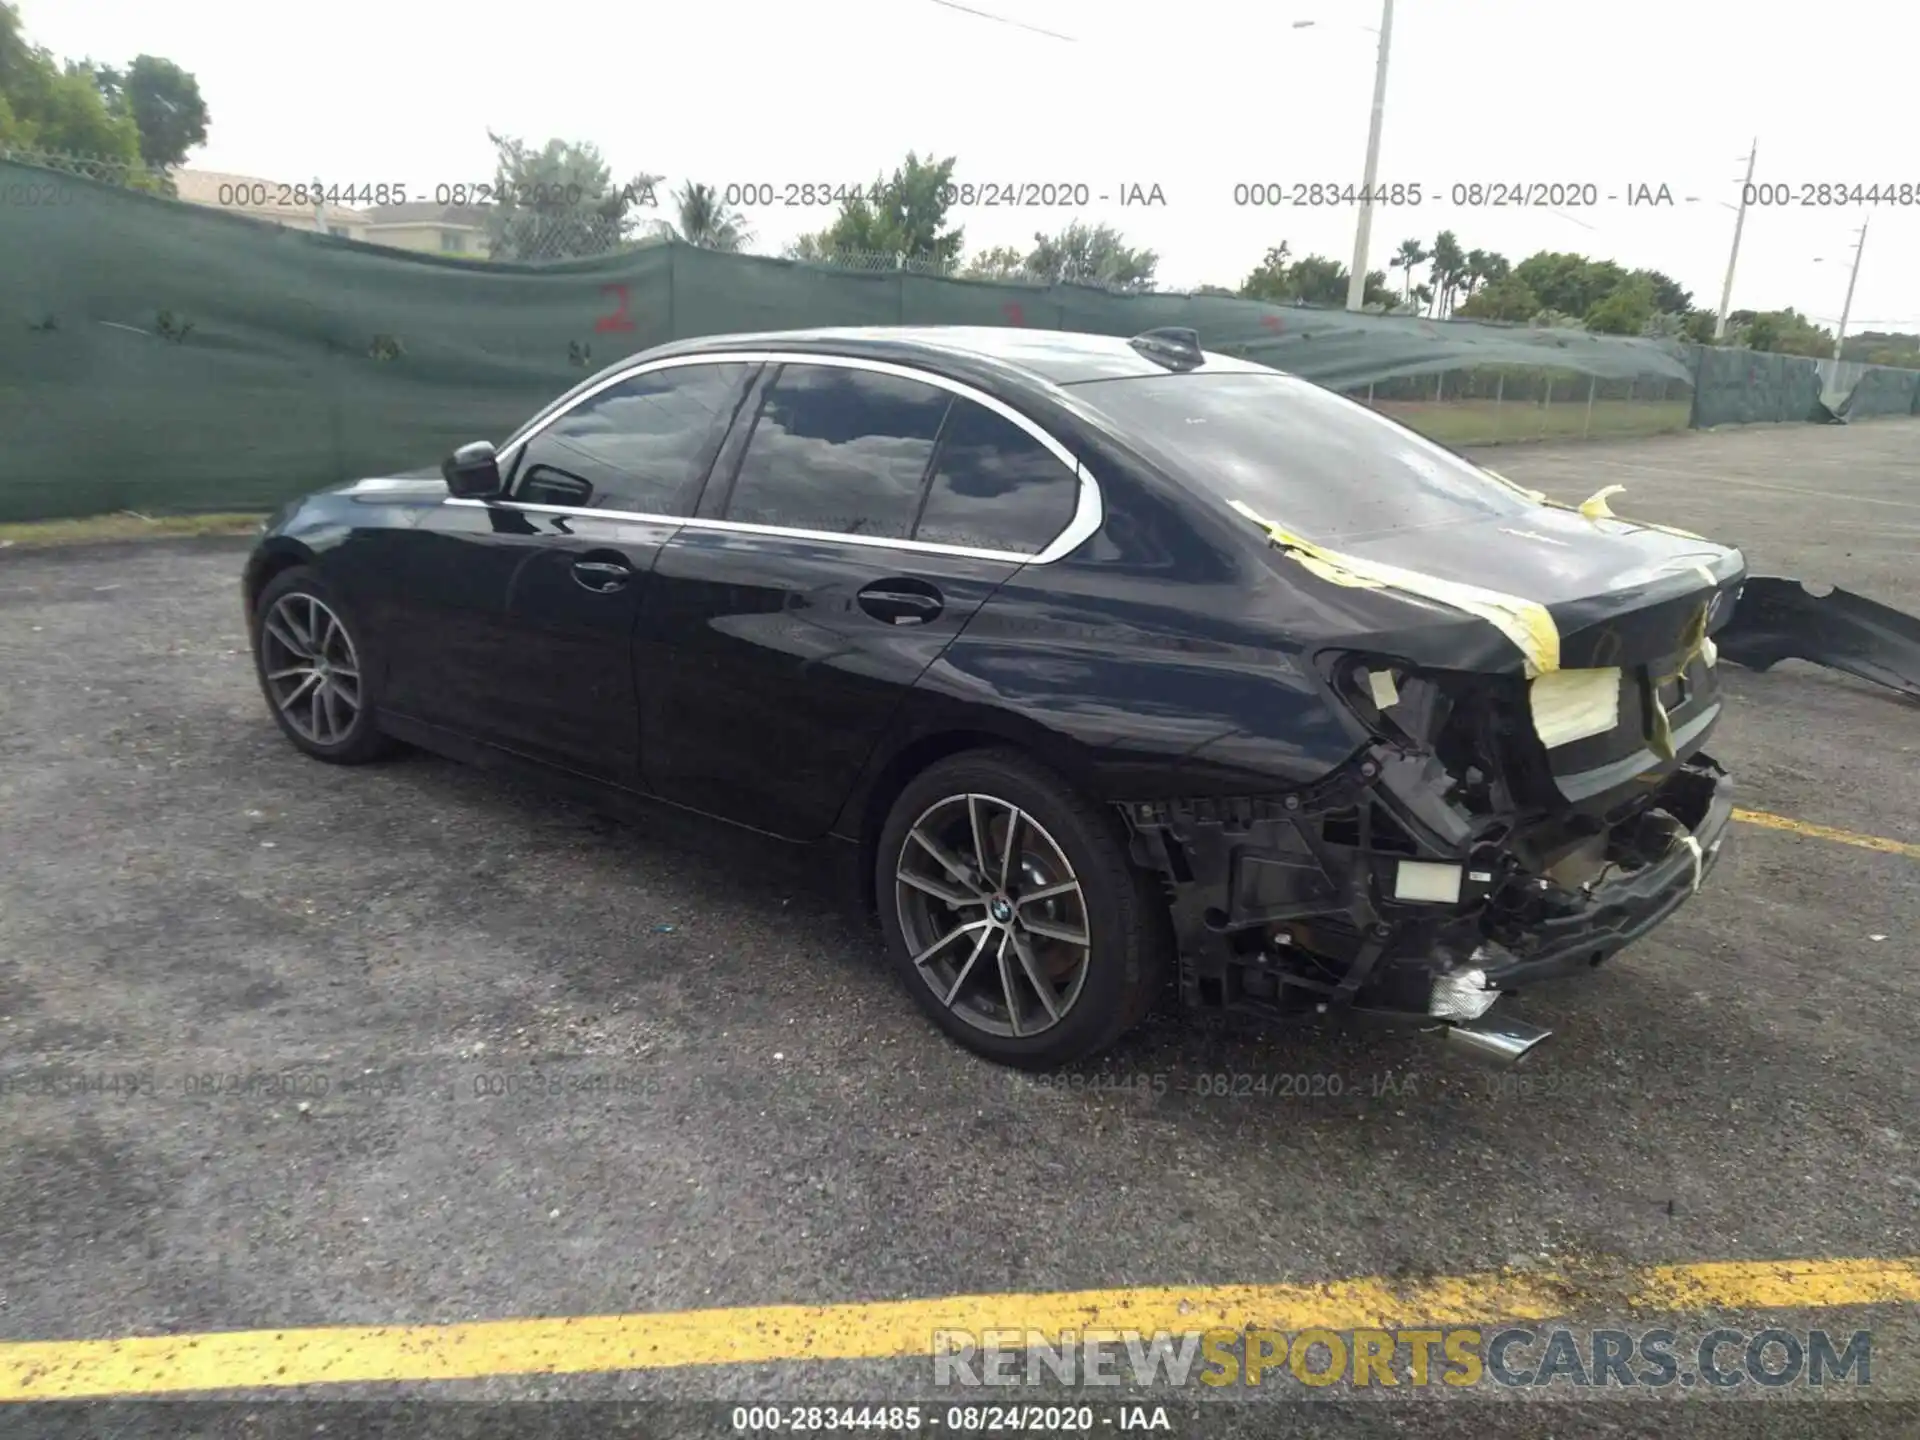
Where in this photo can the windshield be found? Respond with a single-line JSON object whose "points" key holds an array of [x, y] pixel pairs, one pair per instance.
{"points": [[1305, 458]]}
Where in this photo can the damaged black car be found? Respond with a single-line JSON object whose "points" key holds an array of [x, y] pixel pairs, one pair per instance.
{"points": [[1108, 669]]}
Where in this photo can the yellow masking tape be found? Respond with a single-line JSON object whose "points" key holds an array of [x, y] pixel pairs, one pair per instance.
{"points": [[1571, 705], [1594, 507], [1539, 497], [1694, 641], [1525, 622]]}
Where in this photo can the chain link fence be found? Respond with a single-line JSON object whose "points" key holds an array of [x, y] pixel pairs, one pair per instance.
{"points": [[963, 269], [1493, 405], [127, 175]]}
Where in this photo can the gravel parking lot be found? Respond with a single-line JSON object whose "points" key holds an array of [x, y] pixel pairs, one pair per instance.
{"points": [[528, 1062]]}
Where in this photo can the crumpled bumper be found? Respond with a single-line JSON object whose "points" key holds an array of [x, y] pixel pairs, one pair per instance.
{"points": [[1784, 620], [1615, 913], [1291, 904]]}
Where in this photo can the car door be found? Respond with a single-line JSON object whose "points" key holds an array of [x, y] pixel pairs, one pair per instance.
{"points": [[845, 539], [516, 617]]}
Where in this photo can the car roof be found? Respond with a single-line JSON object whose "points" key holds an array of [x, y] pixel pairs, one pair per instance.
{"points": [[1062, 357]]}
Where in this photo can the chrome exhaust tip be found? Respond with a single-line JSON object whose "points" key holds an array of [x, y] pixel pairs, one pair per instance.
{"points": [[1496, 1041]]}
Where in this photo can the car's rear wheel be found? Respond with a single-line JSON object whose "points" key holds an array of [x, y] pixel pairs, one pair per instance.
{"points": [[1014, 914], [312, 659]]}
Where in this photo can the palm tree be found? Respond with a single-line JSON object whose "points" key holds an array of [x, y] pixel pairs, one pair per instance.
{"points": [[1410, 254], [705, 222], [1482, 268], [1449, 264]]}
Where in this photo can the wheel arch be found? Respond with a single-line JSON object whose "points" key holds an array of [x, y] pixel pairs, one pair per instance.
{"points": [[865, 815], [273, 557]]}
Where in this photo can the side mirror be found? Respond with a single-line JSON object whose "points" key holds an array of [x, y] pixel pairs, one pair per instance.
{"points": [[472, 471]]}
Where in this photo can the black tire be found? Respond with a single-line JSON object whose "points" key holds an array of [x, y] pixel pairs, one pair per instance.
{"points": [[361, 740], [1123, 912]]}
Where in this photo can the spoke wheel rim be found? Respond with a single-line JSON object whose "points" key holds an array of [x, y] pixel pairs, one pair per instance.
{"points": [[311, 669], [993, 915]]}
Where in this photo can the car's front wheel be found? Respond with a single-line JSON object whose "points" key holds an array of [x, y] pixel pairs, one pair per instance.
{"points": [[312, 661], [1014, 914]]}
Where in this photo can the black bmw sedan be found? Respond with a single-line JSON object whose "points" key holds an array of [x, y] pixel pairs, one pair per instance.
{"points": [[1112, 668]]}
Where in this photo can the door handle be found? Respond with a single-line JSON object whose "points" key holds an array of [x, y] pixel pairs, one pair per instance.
{"points": [[601, 576], [902, 602]]}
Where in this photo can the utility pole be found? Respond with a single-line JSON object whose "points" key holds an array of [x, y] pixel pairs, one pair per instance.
{"points": [[1739, 223], [1363, 232], [1840, 338]]}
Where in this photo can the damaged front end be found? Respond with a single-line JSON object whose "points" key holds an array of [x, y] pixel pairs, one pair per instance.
{"points": [[1492, 832]]}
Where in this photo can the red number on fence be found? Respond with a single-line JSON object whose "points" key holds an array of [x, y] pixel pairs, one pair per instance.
{"points": [[1015, 315], [1273, 323], [619, 319]]}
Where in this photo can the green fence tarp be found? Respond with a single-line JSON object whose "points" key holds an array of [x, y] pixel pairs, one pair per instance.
{"points": [[163, 357], [1746, 387], [1857, 392]]}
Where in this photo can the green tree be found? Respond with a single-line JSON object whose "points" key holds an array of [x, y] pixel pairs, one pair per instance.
{"points": [[167, 108], [45, 105], [1760, 333], [701, 219], [1002, 262], [1410, 254], [1626, 310], [1669, 296], [1268, 280], [1697, 327], [1449, 267], [16, 56], [1314, 280], [165, 104], [1883, 347], [1505, 297], [1785, 332], [1482, 268], [904, 215], [1097, 254], [1571, 284], [560, 201]]}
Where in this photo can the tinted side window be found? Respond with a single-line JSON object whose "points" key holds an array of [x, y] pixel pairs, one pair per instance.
{"points": [[634, 446], [844, 451], [995, 487]]}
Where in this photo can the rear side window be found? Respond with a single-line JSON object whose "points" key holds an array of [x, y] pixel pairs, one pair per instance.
{"points": [[840, 451], [1303, 457], [639, 445], [995, 487]]}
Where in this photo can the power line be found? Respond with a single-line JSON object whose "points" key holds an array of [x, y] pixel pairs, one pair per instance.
{"points": [[1872, 324], [1003, 20]]}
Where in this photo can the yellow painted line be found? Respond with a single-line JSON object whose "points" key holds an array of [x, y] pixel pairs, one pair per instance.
{"points": [[271, 1359], [1827, 832]]}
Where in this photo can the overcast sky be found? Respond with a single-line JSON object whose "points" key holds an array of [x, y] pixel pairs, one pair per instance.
{"points": [[1193, 97]]}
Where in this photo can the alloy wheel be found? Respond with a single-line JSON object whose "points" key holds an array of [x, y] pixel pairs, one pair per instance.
{"points": [[311, 668], [993, 915]]}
